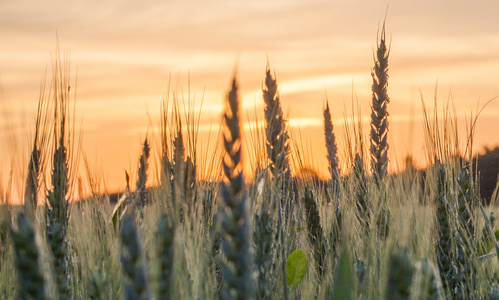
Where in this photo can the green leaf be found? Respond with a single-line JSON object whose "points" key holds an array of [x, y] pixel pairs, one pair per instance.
{"points": [[300, 228], [344, 279], [487, 246], [296, 267]]}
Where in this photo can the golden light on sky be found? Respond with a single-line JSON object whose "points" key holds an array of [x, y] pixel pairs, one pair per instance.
{"points": [[123, 54]]}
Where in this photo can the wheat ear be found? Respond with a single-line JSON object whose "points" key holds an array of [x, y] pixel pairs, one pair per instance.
{"points": [[334, 171], [276, 133], [400, 273], [96, 286], [362, 195], [31, 282], [57, 208], [30, 195], [178, 186], [426, 283], [465, 268], [277, 151], [235, 223], [36, 163], [332, 155], [264, 236], [379, 112], [165, 235], [444, 248], [141, 192], [315, 232], [132, 262]]}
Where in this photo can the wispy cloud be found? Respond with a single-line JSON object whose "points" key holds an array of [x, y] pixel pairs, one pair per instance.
{"points": [[127, 51]]}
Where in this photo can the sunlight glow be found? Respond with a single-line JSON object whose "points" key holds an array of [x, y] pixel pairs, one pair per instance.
{"points": [[126, 57]]}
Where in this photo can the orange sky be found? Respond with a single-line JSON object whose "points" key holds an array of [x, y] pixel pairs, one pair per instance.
{"points": [[125, 51]]}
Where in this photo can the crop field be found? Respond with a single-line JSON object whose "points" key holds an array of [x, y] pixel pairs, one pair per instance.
{"points": [[267, 232]]}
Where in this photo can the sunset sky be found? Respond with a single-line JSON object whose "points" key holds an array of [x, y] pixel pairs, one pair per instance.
{"points": [[124, 52]]}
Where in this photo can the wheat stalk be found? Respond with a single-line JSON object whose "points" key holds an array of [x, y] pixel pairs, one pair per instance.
{"points": [[277, 151], [379, 131], [486, 235], [334, 171], [57, 206], [266, 247]]}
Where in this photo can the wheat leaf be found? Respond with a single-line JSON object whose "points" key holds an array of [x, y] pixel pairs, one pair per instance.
{"points": [[296, 267]]}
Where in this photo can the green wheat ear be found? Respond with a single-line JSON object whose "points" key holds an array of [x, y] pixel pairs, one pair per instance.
{"points": [[236, 265], [277, 145], [165, 236], [332, 152], [362, 195], [266, 247], [400, 273], [135, 284], [36, 161], [334, 182], [426, 282], [57, 206], [141, 192], [444, 247], [179, 174], [315, 232], [31, 282], [31, 192], [465, 268], [95, 286], [344, 277]]}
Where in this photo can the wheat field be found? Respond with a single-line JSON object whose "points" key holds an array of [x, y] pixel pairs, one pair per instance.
{"points": [[264, 233]]}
